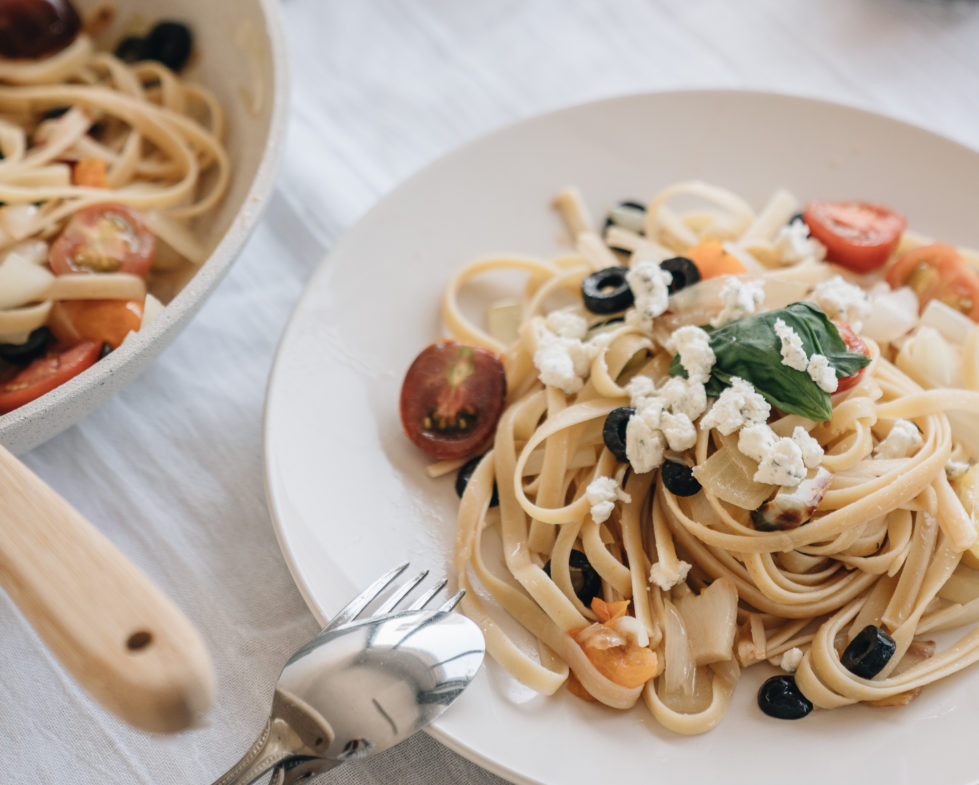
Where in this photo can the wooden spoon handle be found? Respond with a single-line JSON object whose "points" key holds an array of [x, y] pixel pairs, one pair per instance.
{"points": [[111, 627]]}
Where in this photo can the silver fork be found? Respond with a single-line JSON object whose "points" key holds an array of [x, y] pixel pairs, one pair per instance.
{"points": [[283, 745], [358, 604]]}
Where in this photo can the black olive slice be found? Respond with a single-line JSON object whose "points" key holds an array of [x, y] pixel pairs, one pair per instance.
{"points": [[781, 698], [169, 43], [869, 652], [613, 432], [607, 291], [466, 473], [586, 582], [23, 353], [679, 479], [628, 214], [683, 270]]}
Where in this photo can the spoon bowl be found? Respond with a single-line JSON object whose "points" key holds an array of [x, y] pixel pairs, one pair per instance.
{"points": [[360, 688]]}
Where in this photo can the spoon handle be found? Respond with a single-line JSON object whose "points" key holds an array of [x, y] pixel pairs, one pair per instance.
{"points": [[120, 637]]}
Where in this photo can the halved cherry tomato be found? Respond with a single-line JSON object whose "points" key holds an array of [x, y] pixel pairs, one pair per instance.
{"points": [[104, 238], [937, 271], [46, 373], [102, 321], [452, 398], [858, 235], [854, 343]]}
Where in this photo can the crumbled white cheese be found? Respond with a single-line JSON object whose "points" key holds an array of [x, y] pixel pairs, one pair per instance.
{"points": [[794, 244], [756, 440], [740, 299], [566, 324], [679, 431], [650, 287], [737, 406], [667, 580], [602, 493], [956, 469], [644, 445], [793, 355], [822, 373], [697, 358], [812, 451], [639, 388], [842, 300], [791, 660], [562, 359], [903, 440], [782, 465], [683, 396]]}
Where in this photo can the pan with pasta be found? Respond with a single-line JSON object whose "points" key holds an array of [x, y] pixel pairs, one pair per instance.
{"points": [[108, 160], [715, 437]]}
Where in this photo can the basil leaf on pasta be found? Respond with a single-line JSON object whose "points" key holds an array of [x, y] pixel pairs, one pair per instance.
{"points": [[749, 348]]}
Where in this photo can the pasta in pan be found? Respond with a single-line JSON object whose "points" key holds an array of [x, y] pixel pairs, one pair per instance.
{"points": [[757, 455], [105, 166]]}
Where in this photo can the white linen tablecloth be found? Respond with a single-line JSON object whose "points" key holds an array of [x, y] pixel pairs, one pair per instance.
{"points": [[171, 469]]}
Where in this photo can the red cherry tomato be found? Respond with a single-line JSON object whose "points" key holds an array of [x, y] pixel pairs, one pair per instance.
{"points": [[452, 398], [854, 343], [104, 238], [937, 271], [857, 235], [46, 373]]}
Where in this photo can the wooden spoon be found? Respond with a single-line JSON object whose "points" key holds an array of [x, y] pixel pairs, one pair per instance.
{"points": [[120, 637]]}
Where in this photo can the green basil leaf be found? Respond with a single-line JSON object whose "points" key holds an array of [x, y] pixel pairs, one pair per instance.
{"points": [[750, 349]]}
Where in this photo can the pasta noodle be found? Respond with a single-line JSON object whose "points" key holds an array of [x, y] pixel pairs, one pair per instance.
{"points": [[889, 537], [154, 143]]}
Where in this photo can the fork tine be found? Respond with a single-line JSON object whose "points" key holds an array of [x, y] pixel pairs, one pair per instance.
{"points": [[356, 606], [450, 603], [426, 598], [392, 602]]}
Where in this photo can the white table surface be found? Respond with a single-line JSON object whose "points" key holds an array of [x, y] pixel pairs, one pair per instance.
{"points": [[171, 469]]}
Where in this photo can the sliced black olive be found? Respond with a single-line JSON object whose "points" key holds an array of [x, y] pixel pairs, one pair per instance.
{"points": [[587, 583], [607, 291], [797, 217], [780, 697], [36, 28], [169, 43], [679, 479], [23, 353], [869, 652], [131, 48], [613, 432], [628, 215], [466, 473], [684, 271]]}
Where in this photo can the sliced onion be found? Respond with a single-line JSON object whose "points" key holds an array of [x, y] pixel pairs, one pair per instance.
{"points": [[711, 620], [893, 313], [725, 476], [929, 359], [952, 324], [678, 673]]}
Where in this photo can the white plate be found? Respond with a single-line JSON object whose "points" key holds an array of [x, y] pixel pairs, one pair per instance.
{"points": [[349, 494]]}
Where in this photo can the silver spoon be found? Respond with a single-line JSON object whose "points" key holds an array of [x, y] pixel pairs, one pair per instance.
{"points": [[360, 687]]}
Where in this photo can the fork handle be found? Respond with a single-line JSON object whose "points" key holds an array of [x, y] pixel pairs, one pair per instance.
{"points": [[120, 637]]}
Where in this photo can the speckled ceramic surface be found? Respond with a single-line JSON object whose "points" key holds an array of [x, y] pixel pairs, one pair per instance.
{"points": [[240, 57]]}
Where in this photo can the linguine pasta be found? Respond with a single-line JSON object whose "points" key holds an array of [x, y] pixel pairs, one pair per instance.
{"points": [[890, 536]]}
